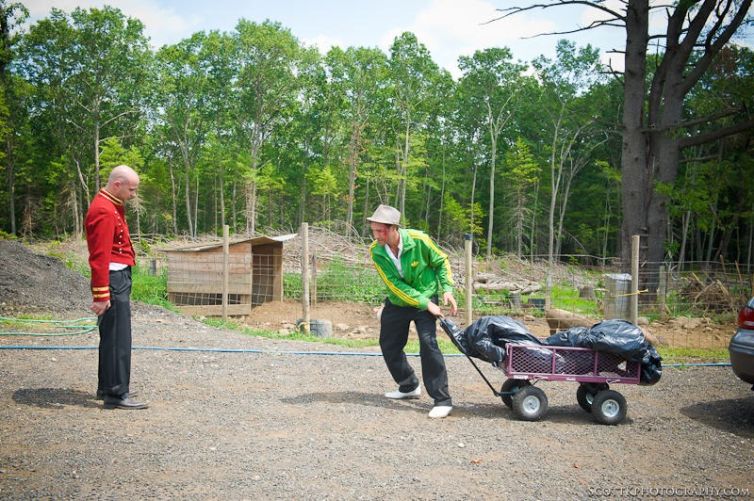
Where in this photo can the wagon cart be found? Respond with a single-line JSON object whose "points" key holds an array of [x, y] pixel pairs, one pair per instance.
{"points": [[527, 364]]}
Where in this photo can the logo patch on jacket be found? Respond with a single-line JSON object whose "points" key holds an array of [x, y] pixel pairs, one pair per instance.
{"points": [[414, 264]]}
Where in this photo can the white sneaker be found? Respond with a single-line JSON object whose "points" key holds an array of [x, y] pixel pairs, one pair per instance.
{"points": [[399, 395], [440, 411]]}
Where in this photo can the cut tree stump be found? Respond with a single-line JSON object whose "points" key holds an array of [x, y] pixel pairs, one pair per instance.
{"points": [[561, 319]]}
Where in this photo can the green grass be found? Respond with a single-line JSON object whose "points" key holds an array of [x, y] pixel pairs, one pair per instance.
{"points": [[151, 289], [693, 355], [339, 281], [411, 347], [567, 298]]}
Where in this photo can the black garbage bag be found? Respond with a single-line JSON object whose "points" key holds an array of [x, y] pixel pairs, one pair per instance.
{"points": [[456, 334], [486, 338], [617, 337], [651, 367], [575, 336]]}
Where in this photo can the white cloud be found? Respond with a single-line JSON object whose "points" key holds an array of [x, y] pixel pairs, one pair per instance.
{"points": [[324, 43], [450, 28], [162, 25]]}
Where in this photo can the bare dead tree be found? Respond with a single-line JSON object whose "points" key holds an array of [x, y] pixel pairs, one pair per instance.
{"points": [[653, 129]]}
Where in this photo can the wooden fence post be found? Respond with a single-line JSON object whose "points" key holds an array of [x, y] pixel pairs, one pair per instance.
{"points": [[226, 271], [635, 240], [467, 243], [314, 279], [305, 275]]}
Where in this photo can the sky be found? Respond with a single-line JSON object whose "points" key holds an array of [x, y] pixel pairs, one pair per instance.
{"points": [[448, 28]]}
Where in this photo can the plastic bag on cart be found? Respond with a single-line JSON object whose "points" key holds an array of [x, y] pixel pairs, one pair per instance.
{"points": [[486, 338], [618, 337], [456, 334]]}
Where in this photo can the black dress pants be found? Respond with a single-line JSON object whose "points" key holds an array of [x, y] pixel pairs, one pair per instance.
{"points": [[394, 324], [114, 372]]}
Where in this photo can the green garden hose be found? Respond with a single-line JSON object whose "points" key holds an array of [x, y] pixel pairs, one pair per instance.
{"points": [[10, 326]]}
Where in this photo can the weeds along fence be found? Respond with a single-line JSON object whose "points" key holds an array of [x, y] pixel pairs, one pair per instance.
{"points": [[210, 280]]}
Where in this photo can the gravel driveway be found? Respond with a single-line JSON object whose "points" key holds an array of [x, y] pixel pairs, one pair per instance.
{"points": [[273, 425]]}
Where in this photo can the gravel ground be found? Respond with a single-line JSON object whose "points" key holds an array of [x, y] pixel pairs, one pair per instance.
{"points": [[310, 426]]}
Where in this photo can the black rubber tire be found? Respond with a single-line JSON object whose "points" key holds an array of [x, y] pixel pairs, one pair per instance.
{"points": [[586, 392], [530, 403], [609, 407], [511, 385]]}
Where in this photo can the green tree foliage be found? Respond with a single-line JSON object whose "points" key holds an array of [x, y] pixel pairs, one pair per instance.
{"points": [[90, 71], [521, 176], [252, 129], [489, 88]]}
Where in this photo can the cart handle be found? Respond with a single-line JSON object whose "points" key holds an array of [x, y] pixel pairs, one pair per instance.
{"points": [[455, 343]]}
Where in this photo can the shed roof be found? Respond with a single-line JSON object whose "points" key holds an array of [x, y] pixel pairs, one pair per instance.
{"points": [[214, 245]]}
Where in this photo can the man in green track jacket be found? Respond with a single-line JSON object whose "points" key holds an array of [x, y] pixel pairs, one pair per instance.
{"points": [[416, 272]]}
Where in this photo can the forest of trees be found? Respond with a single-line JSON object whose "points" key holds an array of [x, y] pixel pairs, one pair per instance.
{"points": [[253, 129]]}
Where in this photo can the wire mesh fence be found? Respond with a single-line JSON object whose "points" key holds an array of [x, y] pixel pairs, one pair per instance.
{"points": [[687, 300]]}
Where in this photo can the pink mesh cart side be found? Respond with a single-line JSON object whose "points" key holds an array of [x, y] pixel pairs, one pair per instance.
{"points": [[593, 370]]}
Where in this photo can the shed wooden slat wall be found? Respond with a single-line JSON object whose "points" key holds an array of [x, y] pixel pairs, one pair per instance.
{"points": [[195, 277]]}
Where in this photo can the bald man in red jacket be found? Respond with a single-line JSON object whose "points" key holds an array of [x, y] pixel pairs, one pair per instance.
{"points": [[111, 256]]}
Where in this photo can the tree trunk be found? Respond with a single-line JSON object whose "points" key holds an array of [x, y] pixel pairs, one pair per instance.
{"points": [[556, 171], [491, 215], [442, 194], [251, 207], [403, 167], [187, 192], [234, 206], [353, 158], [635, 178], [684, 238], [174, 198], [76, 217], [532, 230], [11, 178], [96, 157], [196, 208], [223, 220]]}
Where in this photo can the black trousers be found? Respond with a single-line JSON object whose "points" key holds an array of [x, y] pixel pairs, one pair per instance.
{"points": [[394, 324], [114, 372]]}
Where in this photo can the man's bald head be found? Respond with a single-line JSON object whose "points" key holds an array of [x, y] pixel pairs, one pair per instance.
{"points": [[123, 182]]}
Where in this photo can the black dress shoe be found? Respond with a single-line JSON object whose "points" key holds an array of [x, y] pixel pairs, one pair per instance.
{"points": [[124, 403], [101, 394]]}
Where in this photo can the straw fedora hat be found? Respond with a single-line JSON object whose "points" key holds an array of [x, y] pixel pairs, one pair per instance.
{"points": [[386, 215]]}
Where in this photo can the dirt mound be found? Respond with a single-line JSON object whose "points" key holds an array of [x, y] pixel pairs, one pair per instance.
{"points": [[32, 282]]}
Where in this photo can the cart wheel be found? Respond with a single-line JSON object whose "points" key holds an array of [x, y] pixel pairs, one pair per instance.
{"points": [[510, 387], [530, 403], [586, 392], [609, 407]]}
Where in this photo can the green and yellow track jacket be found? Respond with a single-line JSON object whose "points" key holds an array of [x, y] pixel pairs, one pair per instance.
{"points": [[426, 270]]}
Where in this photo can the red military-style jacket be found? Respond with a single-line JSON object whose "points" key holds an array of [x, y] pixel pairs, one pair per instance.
{"points": [[108, 240]]}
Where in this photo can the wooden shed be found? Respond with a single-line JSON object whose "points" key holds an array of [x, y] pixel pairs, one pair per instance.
{"points": [[196, 276]]}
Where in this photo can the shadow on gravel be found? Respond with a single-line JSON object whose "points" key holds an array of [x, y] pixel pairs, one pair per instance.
{"points": [[733, 415], [346, 397], [51, 398], [572, 415]]}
